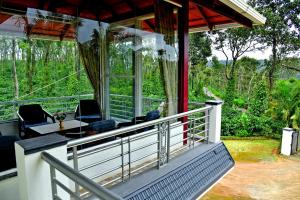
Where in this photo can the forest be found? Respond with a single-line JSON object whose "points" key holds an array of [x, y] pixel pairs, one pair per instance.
{"points": [[261, 96]]}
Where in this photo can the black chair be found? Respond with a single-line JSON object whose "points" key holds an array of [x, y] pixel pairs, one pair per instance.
{"points": [[7, 152], [32, 115], [152, 115], [88, 111]]}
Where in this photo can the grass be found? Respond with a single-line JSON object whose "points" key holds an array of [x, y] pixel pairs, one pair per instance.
{"points": [[253, 150]]}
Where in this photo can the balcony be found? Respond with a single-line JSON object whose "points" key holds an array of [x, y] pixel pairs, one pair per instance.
{"points": [[171, 157]]}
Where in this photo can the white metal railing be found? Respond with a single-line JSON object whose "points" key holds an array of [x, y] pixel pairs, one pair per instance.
{"points": [[138, 147], [94, 189], [8, 109], [121, 106]]}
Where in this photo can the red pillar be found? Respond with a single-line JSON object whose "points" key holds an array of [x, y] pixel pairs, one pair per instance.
{"points": [[183, 63]]}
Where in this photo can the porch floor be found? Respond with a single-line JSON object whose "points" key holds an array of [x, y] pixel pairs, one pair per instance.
{"points": [[184, 177]]}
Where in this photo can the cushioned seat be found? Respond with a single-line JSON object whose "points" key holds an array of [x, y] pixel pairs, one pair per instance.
{"points": [[32, 115], [39, 124], [96, 117], [7, 152], [88, 111], [102, 126], [152, 115], [98, 128]]}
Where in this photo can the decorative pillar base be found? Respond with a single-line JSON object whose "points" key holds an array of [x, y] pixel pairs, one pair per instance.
{"points": [[214, 122]]}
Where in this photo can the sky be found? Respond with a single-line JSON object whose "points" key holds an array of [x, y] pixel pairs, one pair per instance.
{"points": [[259, 55]]}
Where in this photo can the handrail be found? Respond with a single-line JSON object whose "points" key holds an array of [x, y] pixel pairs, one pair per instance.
{"points": [[43, 99], [122, 131], [79, 178], [121, 105]]}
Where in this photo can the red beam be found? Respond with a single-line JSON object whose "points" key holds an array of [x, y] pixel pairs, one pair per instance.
{"points": [[183, 63], [135, 13], [210, 26]]}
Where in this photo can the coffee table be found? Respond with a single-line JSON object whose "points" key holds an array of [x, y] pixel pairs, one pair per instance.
{"points": [[69, 126]]}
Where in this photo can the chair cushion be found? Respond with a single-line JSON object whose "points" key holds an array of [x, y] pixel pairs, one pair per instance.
{"points": [[102, 126], [38, 124], [152, 115], [32, 113], [7, 152], [89, 117]]}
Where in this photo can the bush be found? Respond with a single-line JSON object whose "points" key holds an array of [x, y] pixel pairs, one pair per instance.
{"points": [[239, 102], [230, 118], [259, 100], [237, 123], [230, 92], [285, 104]]}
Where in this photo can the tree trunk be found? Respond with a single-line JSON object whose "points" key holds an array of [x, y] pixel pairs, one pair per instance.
{"points": [[33, 63], [14, 69], [77, 62], [273, 64], [46, 66], [28, 65]]}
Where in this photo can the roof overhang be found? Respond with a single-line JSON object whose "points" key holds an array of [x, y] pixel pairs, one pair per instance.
{"points": [[204, 15], [246, 10]]}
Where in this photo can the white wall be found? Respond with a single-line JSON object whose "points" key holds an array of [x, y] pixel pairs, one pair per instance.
{"points": [[9, 188]]}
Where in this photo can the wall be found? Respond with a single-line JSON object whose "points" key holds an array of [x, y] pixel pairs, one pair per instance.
{"points": [[9, 188]]}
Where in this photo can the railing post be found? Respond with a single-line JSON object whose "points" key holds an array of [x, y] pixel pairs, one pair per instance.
{"points": [[158, 146], [53, 185], [168, 141], [34, 176], [214, 121], [286, 141], [75, 166]]}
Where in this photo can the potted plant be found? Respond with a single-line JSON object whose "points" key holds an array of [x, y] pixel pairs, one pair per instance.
{"points": [[60, 116]]}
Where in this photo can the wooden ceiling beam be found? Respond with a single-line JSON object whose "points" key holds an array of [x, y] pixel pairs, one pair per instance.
{"points": [[42, 4], [210, 26], [137, 13], [64, 31], [218, 7], [151, 26], [107, 7]]}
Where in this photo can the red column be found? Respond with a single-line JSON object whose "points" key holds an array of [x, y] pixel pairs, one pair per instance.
{"points": [[183, 63]]}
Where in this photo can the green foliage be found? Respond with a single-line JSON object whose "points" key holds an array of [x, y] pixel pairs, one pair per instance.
{"points": [[244, 124], [216, 65], [281, 32], [239, 102], [217, 92], [282, 20], [230, 92], [285, 103], [259, 100], [200, 48], [247, 65]]}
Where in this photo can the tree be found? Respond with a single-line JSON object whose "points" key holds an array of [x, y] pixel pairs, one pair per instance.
{"points": [[281, 31], [216, 65], [247, 73], [285, 104], [14, 69], [199, 48], [30, 62], [199, 51], [259, 101], [233, 43]]}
